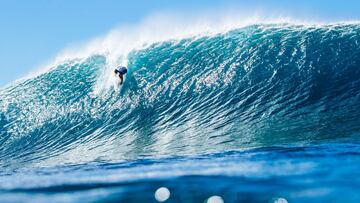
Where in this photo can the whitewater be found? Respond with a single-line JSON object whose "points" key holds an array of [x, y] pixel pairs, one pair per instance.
{"points": [[250, 113]]}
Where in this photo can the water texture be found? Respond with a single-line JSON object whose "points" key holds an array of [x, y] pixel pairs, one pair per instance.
{"points": [[252, 114]]}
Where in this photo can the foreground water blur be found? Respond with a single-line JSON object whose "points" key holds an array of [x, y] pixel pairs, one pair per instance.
{"points": [[316, 173]]}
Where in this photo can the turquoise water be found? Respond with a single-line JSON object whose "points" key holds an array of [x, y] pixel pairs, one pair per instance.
{"points": [[256, 113]]}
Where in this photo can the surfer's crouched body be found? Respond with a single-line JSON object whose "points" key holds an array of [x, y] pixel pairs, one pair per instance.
{"points": [[121, 70]]}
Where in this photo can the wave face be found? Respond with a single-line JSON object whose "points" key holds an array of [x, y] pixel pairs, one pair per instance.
{"points": [[256, 86]]}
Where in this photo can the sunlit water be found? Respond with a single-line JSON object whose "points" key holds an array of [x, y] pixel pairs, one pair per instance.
{"points": [[265, 113]]}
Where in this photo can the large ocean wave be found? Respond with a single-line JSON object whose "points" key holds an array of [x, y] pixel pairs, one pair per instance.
{"points": [[255, 86]]}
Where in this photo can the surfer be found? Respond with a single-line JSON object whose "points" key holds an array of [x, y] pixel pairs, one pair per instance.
{"points": [[121, 70]]}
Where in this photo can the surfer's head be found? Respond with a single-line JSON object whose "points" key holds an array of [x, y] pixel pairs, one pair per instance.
{"points": [[121, 70]]}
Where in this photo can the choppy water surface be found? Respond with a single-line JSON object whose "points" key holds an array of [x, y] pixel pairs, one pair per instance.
{"points": [[254, 114]]}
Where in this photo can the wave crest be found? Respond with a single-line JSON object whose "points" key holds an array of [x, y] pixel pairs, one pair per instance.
{"points": [[254, 86]]}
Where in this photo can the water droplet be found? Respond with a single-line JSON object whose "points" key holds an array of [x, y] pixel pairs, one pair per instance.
{"points": [[278, 200], [215, 199], [162, 194]]}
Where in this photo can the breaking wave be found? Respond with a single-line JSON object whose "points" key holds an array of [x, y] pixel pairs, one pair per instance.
{"points": [[254, 86]]}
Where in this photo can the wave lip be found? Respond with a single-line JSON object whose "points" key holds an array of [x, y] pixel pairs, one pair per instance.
{"points": [[254, 86]]}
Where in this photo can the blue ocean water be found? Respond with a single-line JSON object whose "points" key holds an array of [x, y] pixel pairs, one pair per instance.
{"points": [[250, 115]]}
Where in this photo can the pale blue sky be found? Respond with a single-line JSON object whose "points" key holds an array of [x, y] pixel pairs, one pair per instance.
{"points": [[34, 31]]}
